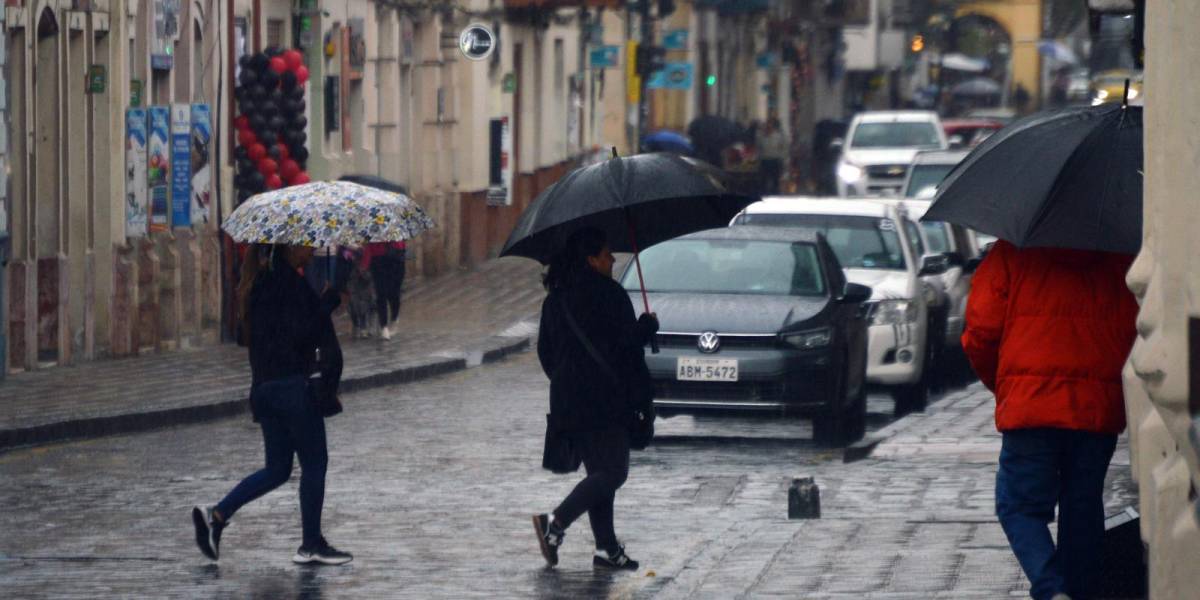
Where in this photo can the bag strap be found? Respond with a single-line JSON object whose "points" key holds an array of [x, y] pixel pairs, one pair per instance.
{"points": [[587, 344]]}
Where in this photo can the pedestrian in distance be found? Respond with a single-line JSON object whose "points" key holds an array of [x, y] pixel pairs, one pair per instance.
{"points": [[591, 347], [386, 260], [289, 331], [773, 150], [361, 291], [1048, 331]]}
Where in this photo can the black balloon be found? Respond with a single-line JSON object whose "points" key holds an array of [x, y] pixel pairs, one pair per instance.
{"points": [[257, 122], [241, 93], [277, 96], [239, 152], [288, 81], [245, 165], [244, 62], [260, 62], [299, 122], [257, 181], [248, 77], [268, 138], [260, 92], [270, 79], [299, 153], [297, 93], [277, 123]]}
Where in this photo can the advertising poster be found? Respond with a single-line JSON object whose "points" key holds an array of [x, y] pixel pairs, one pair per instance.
{"points": [[201, 174], [158, 166], [181, 165], [135, 172]]}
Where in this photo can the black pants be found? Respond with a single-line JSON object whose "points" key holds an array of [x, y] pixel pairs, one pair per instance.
{"points": [[772, 169], [388, 275], [606, 459]]}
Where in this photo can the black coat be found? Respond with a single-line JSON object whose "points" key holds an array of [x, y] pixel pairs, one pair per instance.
{"points": [[290, 328], [582, 396]]}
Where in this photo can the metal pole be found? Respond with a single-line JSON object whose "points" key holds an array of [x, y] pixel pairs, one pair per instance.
{"points": [[643, 103]]}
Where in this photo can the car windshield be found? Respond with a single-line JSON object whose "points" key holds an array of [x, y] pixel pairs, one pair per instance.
{"points": [[896, 135], [859, 242], [925, 179], [935, 235], [730, 267]]}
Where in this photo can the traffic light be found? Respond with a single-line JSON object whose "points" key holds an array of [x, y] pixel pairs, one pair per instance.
{"points": [[665, 8], [650, 59]]}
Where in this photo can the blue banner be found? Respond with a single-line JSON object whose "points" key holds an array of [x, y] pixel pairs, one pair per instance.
{"points": [[674, 76], [604, 57], [158, 165], [201, 173], [181, 165], [676, 39]]}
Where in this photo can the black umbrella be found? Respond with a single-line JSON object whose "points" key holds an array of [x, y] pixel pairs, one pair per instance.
{"points": [[1069, 178], [376, 182], [637, 201], [711, 134]]}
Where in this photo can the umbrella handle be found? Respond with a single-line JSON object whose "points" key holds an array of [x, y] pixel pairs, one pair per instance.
{"points": [[637, 262]]}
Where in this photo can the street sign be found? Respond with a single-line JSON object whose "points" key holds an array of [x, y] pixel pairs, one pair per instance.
{"points": [[676, 39], [764, 60], [675, 76], [477, 42], [97, 78], [135, 93], [604, 57], [508, 84]]}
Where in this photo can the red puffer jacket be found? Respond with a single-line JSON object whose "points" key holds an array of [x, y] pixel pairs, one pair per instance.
{"points": [[1048, 330]]}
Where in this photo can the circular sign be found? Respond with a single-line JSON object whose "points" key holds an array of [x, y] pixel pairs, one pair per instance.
{"points": [[477, 42]]}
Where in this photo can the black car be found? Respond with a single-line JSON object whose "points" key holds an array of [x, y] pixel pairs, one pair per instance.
{"points": [[757, 319]]}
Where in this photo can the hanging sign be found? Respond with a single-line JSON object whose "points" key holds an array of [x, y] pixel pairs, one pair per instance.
{"points": [[604, 57], [158, 166], [181, 165], [477, 42]]}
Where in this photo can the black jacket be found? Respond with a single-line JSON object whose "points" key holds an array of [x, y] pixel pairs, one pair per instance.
{"points": [[289, 323], [582, 396]]}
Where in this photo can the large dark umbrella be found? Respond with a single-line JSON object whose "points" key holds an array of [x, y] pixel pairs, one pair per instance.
{"points": [[711, 134], [1069, 178], [978, 86], [636, 201]]}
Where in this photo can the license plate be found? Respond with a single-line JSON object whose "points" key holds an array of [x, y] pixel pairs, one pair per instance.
{"points": [[706, 369]]}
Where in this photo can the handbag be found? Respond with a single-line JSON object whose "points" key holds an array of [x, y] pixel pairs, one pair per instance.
{"points": [[558, 453], [326, 403], [640, 422]]}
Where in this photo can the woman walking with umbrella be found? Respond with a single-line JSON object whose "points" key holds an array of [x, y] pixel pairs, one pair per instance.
{"points": [[289, 331], [590, 346], [290, 334]]}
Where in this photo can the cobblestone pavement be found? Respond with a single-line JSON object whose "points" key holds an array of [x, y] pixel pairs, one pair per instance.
{"points": [[431, 485], [453, 317]]}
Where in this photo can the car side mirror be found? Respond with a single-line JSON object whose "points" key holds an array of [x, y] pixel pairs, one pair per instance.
{"points": [[836, 143], [934, 265], [973, 264], [955, 141], [855, 293], [956, 259]]}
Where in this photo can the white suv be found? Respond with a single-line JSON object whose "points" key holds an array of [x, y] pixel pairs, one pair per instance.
{"points": [[872, 243], [879, 146]]}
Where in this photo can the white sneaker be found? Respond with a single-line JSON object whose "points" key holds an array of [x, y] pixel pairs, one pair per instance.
{"points": [[1061, 596], [385, 333]]}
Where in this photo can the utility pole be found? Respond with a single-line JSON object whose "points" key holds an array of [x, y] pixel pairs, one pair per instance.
{"points": [[647, 42]]}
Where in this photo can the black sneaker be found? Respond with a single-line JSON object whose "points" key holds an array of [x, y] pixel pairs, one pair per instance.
{"points": [[208, 531], [614, 560], [549, 537], [322, 553]]}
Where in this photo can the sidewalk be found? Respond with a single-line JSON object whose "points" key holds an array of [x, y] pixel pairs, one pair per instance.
{"points": [[458, 320], [913, 520]]}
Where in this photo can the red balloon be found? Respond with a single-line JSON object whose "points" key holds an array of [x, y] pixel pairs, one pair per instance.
{"points": [[274, 182], [301, 74], [300, 179], [242, 122], [256, 152], [267, 167], [247, 138], [278, 65], [283, 150], [289, 169], [294, 59]]}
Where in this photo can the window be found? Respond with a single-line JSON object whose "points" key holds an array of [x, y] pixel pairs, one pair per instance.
{"points": [[914, 238], [274, 33], [730, 267], [925, 179], [860, 242], [896, 135]]}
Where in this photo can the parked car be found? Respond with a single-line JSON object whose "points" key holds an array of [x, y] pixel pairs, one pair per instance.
{"points": [[927, 171], [968, 133], [958, 244], [757, 319], [873, 245], [997, 113], [880, 145]]}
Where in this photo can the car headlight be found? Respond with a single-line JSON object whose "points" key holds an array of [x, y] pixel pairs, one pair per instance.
{"points": [[894, 312], [1102, 94], [807, 340], [1133, 93], [849, 172]]}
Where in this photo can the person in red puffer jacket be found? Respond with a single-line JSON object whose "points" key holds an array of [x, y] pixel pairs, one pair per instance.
{"points": [[1048, 331]]}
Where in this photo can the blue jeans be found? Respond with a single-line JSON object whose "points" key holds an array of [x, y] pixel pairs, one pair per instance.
{"points": [[1041, 468], [291, 425]]}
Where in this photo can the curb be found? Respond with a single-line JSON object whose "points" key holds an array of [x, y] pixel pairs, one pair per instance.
{"points": [[494, 348]]}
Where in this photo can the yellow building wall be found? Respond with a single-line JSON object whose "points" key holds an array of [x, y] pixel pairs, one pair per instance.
{"points": [[1023, 21]]}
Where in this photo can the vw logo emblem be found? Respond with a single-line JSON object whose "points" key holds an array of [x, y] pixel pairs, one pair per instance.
{"points": [[477, 42], [709, 342]]}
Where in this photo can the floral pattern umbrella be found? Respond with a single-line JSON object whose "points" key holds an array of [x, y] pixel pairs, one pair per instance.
{"points": [[327, 213]]}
